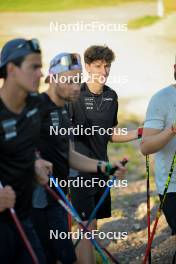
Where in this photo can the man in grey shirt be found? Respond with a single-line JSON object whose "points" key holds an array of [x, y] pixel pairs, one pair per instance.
{"points": [[159, 137]]}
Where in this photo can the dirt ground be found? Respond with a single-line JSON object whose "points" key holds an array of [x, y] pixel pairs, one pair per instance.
{"points": [[129, 209]]}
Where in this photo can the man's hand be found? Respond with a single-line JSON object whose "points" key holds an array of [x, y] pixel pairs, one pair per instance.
{"points": [[7, 198], [120, 173], [42, 169]]}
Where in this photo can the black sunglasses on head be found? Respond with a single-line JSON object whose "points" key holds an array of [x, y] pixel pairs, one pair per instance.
{"points": [[32, 44]]}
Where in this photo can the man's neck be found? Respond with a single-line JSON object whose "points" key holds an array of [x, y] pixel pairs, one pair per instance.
{"points": [[95, 88], [13, 97]]}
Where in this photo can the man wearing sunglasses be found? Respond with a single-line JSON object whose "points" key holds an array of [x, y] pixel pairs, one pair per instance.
{"points": [[64, 86], [20, 68]]}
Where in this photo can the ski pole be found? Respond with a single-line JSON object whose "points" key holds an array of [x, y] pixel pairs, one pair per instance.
{"points": [[159, 209], [22, 233], [70, 209], [103, 197], [148, 203]]}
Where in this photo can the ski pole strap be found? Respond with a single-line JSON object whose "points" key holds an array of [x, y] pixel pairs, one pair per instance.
{"points": [[109, 169]]}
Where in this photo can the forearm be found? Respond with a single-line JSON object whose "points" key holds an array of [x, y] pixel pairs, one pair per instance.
{"points": [[154, 143], [131, 135], [82, 163], [85, 164]]}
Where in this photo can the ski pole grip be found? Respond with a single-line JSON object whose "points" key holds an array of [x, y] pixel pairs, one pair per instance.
{"points": [[111, 170], [124, 161]]}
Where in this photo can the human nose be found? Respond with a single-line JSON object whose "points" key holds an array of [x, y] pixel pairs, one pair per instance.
{"points": [[40, 73], [104, 71]]}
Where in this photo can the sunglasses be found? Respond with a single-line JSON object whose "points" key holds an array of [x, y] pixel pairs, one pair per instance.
{"points": [[71, 61], [32, 44]]}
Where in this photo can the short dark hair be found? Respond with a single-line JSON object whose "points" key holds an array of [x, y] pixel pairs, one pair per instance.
{"points": [[96, 52], [18, 61]]}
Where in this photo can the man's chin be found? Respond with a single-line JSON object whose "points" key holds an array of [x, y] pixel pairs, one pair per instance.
{"points": [[101, 83], [73, 98], [34, 90]]}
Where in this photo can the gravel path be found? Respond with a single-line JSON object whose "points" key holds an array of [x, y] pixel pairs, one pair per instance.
{"points": [[131, 202]]}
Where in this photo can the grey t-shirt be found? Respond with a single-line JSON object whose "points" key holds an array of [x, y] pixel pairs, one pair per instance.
{"points": [[161, 113]]}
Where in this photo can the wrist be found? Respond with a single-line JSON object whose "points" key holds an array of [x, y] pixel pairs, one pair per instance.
{"points": [[104, 168], [101, 167]]}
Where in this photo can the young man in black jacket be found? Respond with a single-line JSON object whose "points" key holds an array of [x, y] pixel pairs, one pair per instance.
{"points": [[20, 67], [55, 146], [96, 110]]}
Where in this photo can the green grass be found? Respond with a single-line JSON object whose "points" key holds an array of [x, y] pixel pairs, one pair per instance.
{"points": [[57, 5], [142, 22]]}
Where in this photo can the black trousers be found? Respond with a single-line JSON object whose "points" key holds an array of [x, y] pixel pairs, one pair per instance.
{"points": [[169, 210]]}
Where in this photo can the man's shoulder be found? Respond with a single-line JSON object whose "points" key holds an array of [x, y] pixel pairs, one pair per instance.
{"points": [[161, 97], [110, 90], [39, 101], [34, 97], [161, 100], [164, 93], [38, 98]]}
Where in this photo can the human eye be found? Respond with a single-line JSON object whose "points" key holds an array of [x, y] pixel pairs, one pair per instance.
{"points": [[35, 67], [97, 65]]}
